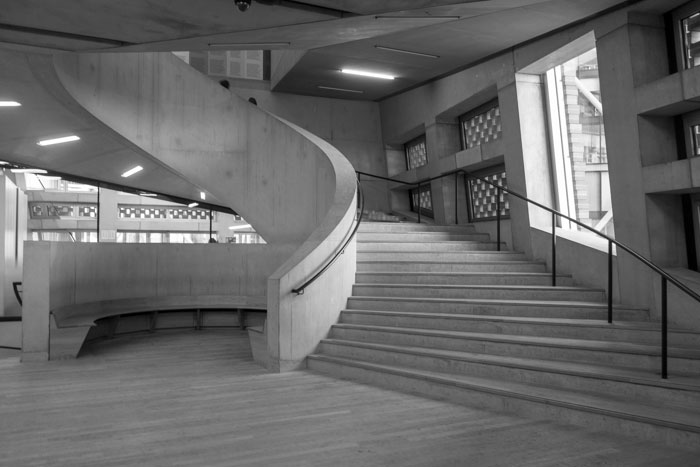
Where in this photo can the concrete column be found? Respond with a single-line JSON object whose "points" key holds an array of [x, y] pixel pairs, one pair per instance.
{"points": [[35, 310], [620, 73], [442, 139]]}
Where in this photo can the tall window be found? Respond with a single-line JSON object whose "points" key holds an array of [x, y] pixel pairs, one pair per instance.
{"points": [[690, 28], [580, 159], [416, 153]]}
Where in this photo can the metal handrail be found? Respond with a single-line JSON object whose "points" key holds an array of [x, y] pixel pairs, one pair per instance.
{"points": [[665, 276], [361, 206]]}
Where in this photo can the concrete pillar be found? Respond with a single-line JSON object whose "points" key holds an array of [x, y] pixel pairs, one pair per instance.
{"points": [[35, 310], [631, 145], [442, 139]]}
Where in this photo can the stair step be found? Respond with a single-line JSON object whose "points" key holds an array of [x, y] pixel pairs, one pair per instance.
{"points": [[676, 427], [595, 329], [464, 278], [532, 308], [421, 236], [505, 292], [407, 227], [363, 246], [437, 266], [446, 257], [623, 354], [643, 386]]}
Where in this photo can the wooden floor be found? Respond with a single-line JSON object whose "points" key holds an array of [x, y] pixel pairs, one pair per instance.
{"points": [[177, 398]]}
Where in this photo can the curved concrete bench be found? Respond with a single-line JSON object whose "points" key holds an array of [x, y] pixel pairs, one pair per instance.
{"points": [[70, 324]]}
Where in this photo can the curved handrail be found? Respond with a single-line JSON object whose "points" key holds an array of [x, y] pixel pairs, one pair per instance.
{"points": [[361, 206], [665, 276]]}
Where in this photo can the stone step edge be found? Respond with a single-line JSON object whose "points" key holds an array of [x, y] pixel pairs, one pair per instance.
{"points": [[628, 348], [464, 383], [516, 262], [496, 302], [573, 322], [584, 370], [485, 273], [542, 288]]}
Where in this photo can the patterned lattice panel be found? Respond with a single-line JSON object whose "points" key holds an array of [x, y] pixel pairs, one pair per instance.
{"points": [[482, 128], [424, 200], [142, 212], [87, 210], [416, 154], [484, 197], [43, 210], [189, 214]]}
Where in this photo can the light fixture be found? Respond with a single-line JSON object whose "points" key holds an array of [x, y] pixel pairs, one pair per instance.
{"points": [[249, 45], [340, 89], [132, 171], [243, 5], [63, 139], [239, 227], [415, 17], [191, 205], [28, 171], [351, 71], [152, 195], [202, 195], [9, 104], [409, 52]]}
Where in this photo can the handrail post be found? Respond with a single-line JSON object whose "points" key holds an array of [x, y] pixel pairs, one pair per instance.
{"points": [[498, 218], [664, 327], [418, 202], [456, 185], [610, 281], [554, 250]]}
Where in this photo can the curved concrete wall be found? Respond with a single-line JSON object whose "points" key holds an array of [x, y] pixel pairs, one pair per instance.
{"points": [[279, 181]]}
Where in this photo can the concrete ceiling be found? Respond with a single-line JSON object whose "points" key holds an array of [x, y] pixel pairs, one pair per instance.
{"points": [[319, 38]]}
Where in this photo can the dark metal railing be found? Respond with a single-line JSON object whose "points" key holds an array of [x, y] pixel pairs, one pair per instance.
{"points": [[361, 208], [665, 276]]}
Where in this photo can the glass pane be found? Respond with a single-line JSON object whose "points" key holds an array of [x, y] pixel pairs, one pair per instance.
{"points": [[482, 128], [483, 197], [579, 149], [691, 39], [416, 153]]}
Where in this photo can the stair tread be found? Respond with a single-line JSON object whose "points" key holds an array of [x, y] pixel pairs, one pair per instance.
{"points": [[685, 418], [513, 261], [633, 325], [494, 301], [625, 374], [448, 273], [570, 343], [484, 286]]}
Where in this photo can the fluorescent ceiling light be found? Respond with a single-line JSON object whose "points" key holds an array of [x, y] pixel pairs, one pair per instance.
{"points": [[250, 45], [340, 89], [9, 104], [132, 171], [409, 52], [239, 227], [191, 205], [152, 195], [64, 139], [415, 17], [370, 74], [28, 171], [203, 195]]}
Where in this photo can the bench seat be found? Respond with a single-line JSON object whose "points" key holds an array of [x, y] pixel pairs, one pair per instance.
{"points": [[70, 324]]}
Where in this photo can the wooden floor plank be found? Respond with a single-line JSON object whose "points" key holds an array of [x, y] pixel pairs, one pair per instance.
{"points": [[186, 398]]}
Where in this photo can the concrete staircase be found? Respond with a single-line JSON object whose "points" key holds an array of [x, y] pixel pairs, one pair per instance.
{"points": [[438, 311]]}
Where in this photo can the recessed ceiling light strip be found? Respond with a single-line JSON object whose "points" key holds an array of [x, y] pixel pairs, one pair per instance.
{"points": [[341, 89], [409, 52], [132, 171], [415, 17], [64, 139], [9, 104], [250, 45], [370, 74], [191, 205]]}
